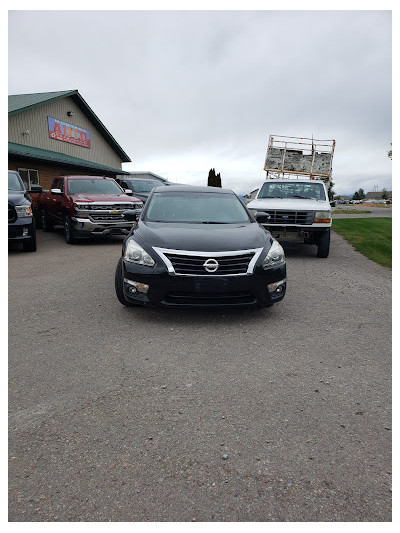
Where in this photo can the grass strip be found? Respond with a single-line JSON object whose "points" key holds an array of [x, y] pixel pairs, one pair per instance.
{"points": [[370, 236]]}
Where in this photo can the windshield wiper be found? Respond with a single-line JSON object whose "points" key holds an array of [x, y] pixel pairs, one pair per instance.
{"points": [[303, 197], [269, 197], [214, 222]]}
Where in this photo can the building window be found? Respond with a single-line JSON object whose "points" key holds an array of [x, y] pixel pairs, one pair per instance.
{"points": [[29, 176]]}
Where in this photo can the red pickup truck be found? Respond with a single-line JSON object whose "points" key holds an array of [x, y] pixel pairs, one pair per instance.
{"points": [[86, 206]]}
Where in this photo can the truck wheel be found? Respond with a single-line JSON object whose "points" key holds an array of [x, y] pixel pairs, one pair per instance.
{"points": [[323, 244], [119, 286], [69, 233], [46, 224], [30, 244]]}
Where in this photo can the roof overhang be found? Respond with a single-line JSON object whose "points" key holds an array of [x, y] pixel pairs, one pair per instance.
{"points": [[29, 152]]}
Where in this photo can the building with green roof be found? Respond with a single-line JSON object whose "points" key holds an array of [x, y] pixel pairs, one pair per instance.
{"points": [[57, 133]]}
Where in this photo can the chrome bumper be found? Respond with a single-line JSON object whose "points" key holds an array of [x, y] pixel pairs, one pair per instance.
{"points": [[85, 225]]}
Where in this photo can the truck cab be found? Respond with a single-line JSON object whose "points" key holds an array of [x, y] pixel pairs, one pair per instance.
{"points": [[295, 210]]}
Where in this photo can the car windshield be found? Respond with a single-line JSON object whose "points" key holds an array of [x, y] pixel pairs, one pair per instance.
{"points": [[90, 186], [14, 183], [143, 186], [310, 190], [196, 208]]}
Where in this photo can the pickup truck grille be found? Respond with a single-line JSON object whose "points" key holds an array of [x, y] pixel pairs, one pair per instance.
{"points": [[290, 217], [112, 207], [12, 214], [106, 216], [192, 265]]}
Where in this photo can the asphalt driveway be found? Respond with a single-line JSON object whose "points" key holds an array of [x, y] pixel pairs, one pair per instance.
{"points": [[117, 414]]}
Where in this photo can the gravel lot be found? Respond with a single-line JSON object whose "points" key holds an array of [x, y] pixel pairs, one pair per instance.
{"points": [[117, 414]]}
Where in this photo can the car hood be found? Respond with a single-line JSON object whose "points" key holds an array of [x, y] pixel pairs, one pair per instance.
{"points": [[203, 237], [88, 198], [289, 204], [17, 198]]}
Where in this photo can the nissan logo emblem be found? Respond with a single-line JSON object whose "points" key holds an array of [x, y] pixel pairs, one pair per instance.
{"points": [[211, 265]]}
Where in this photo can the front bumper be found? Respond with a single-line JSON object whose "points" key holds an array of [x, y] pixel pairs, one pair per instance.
{"points": [[85, 227], [21, 230], [297, 234], [172, 290]]}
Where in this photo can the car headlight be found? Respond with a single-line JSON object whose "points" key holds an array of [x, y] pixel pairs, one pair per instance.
{"points": [[275, 256], [23, 210], [135, 254], [323, 216]]}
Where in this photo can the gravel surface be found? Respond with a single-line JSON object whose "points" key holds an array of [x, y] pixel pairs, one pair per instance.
{"points": [[117, 414], [375, 211]]}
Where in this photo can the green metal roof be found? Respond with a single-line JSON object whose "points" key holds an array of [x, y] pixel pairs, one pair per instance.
{"points": [[18, 103], [55, 157]]}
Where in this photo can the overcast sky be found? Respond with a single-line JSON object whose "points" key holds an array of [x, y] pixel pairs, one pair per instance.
{"points": [[184, 91]]}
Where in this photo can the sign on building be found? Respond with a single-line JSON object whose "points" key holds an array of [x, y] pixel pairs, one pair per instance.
{"points": [[62, 131]]}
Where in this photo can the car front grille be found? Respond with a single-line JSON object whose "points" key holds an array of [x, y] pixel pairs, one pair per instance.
{"points": [[208, 299], [290, 217], [195, 265]]}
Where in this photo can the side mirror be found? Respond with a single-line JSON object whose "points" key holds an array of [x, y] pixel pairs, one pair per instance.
{"points": [[56, 191], [35, 188], [132, 214], [128, 192], [333, 203], [262, 217]]}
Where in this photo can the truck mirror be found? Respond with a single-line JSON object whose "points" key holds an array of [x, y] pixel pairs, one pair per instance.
{"points": [[56, 191], [132, 214], [128, 192]]}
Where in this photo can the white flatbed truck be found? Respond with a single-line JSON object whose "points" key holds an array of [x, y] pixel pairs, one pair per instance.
{"points": [[293, 202]]}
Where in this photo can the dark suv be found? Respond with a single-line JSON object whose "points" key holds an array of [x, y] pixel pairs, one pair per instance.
{"points": [[21, 224]]}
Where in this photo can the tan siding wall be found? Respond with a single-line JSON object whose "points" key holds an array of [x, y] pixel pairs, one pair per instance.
{"points": [[35, 120], [48, 172]]}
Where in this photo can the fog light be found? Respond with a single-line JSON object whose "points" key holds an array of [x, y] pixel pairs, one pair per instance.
{"points": [[25, 232], [277, 286], [136, 286]]}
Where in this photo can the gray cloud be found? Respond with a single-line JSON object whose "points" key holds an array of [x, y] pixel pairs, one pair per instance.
{"points": [[184, 91]]}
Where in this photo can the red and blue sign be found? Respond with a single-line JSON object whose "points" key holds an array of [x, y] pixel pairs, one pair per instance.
{"points": [[62, 131]]}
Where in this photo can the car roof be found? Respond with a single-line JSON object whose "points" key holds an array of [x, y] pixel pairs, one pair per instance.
{"points": [[87, 177], [140, 179], [192, 188]]}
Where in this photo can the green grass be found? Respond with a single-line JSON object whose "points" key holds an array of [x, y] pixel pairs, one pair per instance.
{"points": [[370, 236]]}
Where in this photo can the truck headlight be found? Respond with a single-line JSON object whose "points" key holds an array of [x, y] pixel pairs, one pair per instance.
{"points": [[23, 210], [275, 256], [323, 216], [135, 254]]}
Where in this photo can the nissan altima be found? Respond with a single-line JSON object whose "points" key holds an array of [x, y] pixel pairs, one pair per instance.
{"points": [[198, 246]]}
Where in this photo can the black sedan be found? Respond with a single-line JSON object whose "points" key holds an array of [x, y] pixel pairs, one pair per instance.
{"points": [[199, 246]]}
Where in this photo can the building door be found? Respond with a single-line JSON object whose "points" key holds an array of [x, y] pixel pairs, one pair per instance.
{"points": [[29, 176]]}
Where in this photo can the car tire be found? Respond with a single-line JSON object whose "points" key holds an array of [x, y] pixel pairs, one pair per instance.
{"points": [[324, 244], [29, 245], [119, 286], [47, 225], [69, 233]]}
